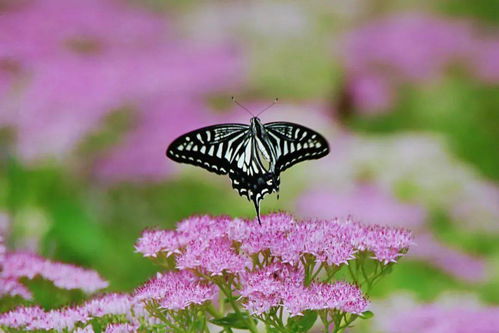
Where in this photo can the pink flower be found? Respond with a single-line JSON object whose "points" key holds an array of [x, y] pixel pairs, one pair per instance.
{"points": [[385, 242], [108, 304], [457, 263], [176, 290], [435, 318], [194, 228], [204, 227], [281, 284], [207, 242], [121, 328], [63, 276], [12, 287], [21, 316], [71, 66], [213, 256], [2, 251], [410, 48], [265, 288], [339, 295], [255, 238], [369, 204], [151, 242], [86, 329], [334, 242], [485, 60], [34, 318]]}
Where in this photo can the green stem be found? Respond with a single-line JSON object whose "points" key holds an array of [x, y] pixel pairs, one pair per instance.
{"points": [[228, 292], [351, 273]]}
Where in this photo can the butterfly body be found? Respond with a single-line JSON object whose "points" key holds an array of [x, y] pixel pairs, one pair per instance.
{"points": [[252, 155]]}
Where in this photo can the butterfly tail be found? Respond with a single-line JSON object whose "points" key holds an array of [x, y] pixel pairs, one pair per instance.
{"points": [[257, 208]]}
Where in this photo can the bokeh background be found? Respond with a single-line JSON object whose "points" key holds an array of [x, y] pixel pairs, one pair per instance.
{"points": [[93, 91]]}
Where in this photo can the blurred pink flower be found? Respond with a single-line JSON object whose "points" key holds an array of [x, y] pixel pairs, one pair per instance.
{"points": [[369, 204], [89, 329], [410, 48], [35, 318], [435, 318], [457, 263], [176, 290], [76, 62], [26, 265], [485, 60], [121, 328], [12, 287]]}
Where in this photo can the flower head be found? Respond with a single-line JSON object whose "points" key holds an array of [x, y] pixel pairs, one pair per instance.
{"points": [[121, 328], [281, 284], [176, 290], [64, 276], [151, 242], [213, 256]]}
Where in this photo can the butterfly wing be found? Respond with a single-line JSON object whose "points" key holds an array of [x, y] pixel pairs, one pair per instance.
{"points": [[295, 143], [211, 148]]}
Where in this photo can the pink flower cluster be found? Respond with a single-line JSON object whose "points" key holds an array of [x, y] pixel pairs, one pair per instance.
{"points": [[283, 284], [18, 265], [35, 318], [409, 48], [75, 63], [219, 245], [435, 318], [176, 290], [331, 241]]}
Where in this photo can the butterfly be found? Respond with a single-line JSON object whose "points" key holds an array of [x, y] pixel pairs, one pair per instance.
{"points": [[252, 155]]}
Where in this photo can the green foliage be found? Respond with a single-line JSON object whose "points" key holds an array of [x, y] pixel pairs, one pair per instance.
{"points": [[234, 320], [303, 323]]}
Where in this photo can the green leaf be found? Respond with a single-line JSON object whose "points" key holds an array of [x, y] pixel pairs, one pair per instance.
{"points": [[366, 315], [233, 320], [302, 323]]}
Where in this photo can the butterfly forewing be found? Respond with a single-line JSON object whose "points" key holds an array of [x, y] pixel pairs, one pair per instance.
{"points": [[295, 143], [211, 148]]}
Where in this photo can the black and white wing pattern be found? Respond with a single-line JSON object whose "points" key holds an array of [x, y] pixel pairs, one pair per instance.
{"points": [[211, 148], [295, 143], [253, 156]]}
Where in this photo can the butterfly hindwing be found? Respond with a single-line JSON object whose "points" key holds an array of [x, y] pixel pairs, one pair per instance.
{"points": [[211, 148], [295, 143]]}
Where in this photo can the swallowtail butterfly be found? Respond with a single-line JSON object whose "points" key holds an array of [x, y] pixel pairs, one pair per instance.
{"points": [[253, 156]]}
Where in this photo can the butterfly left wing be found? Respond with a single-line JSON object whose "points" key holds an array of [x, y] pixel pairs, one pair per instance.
{"points": [[295, 143], [211, 148]]}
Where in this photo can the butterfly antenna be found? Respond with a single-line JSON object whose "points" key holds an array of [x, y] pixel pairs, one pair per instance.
{"points": [[268, 107], [242, 106]]}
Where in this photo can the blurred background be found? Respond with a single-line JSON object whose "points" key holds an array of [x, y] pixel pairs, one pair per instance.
{"points": [[93, 91]]}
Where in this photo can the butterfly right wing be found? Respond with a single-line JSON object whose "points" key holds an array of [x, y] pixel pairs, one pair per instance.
{"points": [[295, 143], [212, 147]]}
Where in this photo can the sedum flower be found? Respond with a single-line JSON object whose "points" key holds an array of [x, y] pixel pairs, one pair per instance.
{"points": [[35, 318], [121, 328], [11, 287], [213, 256], [65, 276], [282, 284], [154, 241], [176, 290], [208, 241]]}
